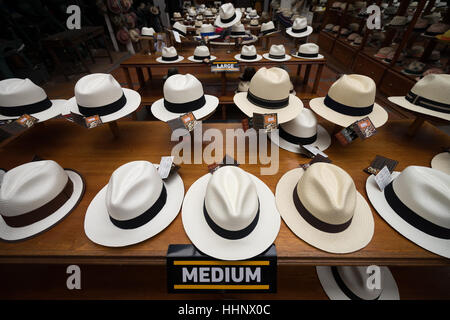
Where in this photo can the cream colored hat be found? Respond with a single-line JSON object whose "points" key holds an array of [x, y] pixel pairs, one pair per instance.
{"points": [[277, 53], [230, 214], [177, 15], [322, 207], [252, 14], [269, 93], [441, 162], [399, 21], [299, 28], [227, 16], [430, 95], [169, 55], [147, 31], [207, 30], [238, 30], [268, 28], [308, 51], [416, 204], [201, 53], [254, 22], [350, 98], [248, 54], [180, 28]]}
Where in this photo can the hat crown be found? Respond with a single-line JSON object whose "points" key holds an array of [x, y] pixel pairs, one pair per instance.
{"points": [[277, 49], [132, 189], [181, 88], [425, 191], [353, 90], [308, 48], [267, 26], [201, 51], [19, 92], [248, 50], [238, 27], [435, 87], [355, 278], [302, 126], [328, 193], [96, 90], [207, 28], [169, 52], [231, 198], [270, 84], [147, 31], [179, 26], [226, 10], [299, 23], [30, 186]]}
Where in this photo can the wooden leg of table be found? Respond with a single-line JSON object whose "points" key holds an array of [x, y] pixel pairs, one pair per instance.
{"points": [[415, 126], [224, 111], [297, 76], [58, 62], [114, 128], [126, 71], [140, 75], [318, 76], [306, 77], [149, 71], [86, 44]]}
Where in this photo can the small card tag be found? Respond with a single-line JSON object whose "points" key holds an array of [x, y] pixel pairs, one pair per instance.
{"points": [[226, 161], [185, 121], [86, 122], [266, 121], [9, 128], [346, 135], [176, 36], [364, 128], [378, 163], [311, 151], [317, 158], [165, 165], [27, 121], [383, 178]]}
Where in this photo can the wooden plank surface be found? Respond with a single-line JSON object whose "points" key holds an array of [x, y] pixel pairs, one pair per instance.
{"points": [[96, 154]]}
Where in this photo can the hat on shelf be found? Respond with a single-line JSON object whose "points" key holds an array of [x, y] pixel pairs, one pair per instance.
{"points": [[437, 28], [22, 96], [308, 51], [335, 29], [147, 31], [248, 54], [433, 17], [345, 32], [299, 28], [357, 41], [201, 53], [415, 51], [134, 206], [398, 21], [207, 30], [192, 12], [198, 24], [230, 214], [277, 53], [180, 28], [176, 15], [227, 16], [360, 4], [248, 9], [383, 52], [100, 94], [352, 36], [302, 130], [350, 98], [269, 92], [268, 28], [430, 95], [208, 13], [36, 196], [329, 27], [254, 22], [413, 4], [421, 25], [214, 10], [378, 36], [183, 93], [350, 283], [238, 30], [252, 14], [353, 27], [169, 55], [336, 5], [415, 68], [441, 162], [322, 207], [390, 11], [390, 56], [415, 203]]}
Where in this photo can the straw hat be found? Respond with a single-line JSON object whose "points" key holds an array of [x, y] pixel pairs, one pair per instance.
{"points": [[248, 54], [299, 28], [169, 55], [268, 28], [180, 28], [201, 53], [308, 51], [277, 53], [207, 30], [238, 30], [227, 16], [147, 32]]}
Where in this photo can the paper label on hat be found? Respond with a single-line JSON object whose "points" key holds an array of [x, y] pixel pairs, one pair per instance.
{"points": [[176, 36], [265, 121], [383, 178], [186, 121], [311, 151], [364, 128], [167, 167], [378, 163], [9, 128]]}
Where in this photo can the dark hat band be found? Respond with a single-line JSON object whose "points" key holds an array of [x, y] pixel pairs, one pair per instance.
{"points": [[238, 33], [268, 31], [427, 103], [346, 290], [186, 106], [180, 32], [294, 139], [18, 111], [201, 57], [229, 19], [104, 110], [308, 55], [276, 56], [299, 30], [347, 110], [169, 58], [264, 103], [249, 57]]}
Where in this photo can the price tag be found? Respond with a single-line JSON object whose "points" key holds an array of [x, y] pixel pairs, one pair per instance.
{"points": [[378, 163], [167, 167], [185, 121], [383, 178], [266, 121], [363, 128], [317, 158], [311, 151], [9, 128], [86, 122], [176, 36]]}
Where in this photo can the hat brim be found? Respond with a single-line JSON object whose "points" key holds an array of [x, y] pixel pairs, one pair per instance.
{"points": [[99, 228], [379, 202], [160, 60], [238, 57], [133, 102], [332, 290], [322, 142], [2, 173], [198, 38], [286, 57], [285, 114], [191, 58], [319, 56], [402, 102], [161, 113], [268, 34], [208, 242], [308, 31], [12, 234], [441, 162], [218, 22], [378, 116], [355, 237], [58, 105]]}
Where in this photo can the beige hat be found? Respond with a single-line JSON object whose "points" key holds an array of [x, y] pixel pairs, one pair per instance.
{"points": [[248, 54], [268, 28], [430, 95], [322, 207], [299, 28], [269, 93], [277, 52], [238, 30], [350, 98]]}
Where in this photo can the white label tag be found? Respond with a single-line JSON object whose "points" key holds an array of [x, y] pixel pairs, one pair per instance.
{"points": [[314, 150], [164, 166], [383, 178], [176, 35]]}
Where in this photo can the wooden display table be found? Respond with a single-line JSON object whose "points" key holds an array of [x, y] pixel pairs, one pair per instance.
{"points": [[95, 154]]}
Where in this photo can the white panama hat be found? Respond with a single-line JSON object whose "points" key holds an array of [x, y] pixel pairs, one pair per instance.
{"points": [[308, 51], [323, 208], [183, 93], [201, 53], [350, 283], [22, 96], [430, 95], [207, 30], [248, 54], [350, 98], [147, 31], [299, 28], [303, 130], [169, 55], [238, 30], [277, 52], [227, 16], [134, 206], [269, 92], [268, 28], [416, 204], [180, 28], [254, 22], [441, 162], [101, 94], [230, 214], [252, 14], [36, 196]]}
